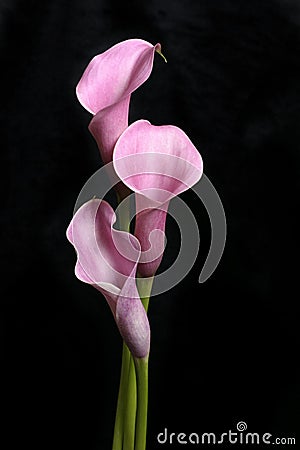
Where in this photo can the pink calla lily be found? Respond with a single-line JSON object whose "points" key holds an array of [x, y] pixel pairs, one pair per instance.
{"points": [[107, 259], [106, 85], [157, 163]]}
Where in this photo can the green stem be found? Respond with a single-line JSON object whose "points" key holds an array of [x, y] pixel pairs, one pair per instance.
{"points": [[125, 425], [130, 409], [124, 433], [124, 213], [131, 416], [144, 286], [119, 421], [141, 367]]}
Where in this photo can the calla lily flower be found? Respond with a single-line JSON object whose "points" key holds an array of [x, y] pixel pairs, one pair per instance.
{"points": [[106, 86], [157, 163], [107, 259]]}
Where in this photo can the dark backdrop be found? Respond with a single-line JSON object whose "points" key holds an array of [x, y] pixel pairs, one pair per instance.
{"points": [[222, 352]]}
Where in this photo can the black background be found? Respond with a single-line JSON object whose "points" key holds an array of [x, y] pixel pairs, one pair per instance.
{"points": [[221, 352]]}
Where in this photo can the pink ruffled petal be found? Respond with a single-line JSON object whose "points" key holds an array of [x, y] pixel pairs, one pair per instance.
{"points": [[101, 249], [105, 89], [158, 163], [106, 255], [115, 74], [107, 259]]}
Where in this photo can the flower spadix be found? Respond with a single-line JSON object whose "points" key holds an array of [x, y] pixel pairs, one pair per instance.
{"points": [[157, 163], [107, 259]]}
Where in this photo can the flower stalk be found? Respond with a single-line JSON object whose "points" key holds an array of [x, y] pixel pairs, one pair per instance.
{"points": [[144, 286], [121, 404], [130, 409], [141, 367], [124, 432]]}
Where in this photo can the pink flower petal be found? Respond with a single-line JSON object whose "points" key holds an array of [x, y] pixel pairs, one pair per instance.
{"points": [[105, 254], [150, 229], [106, 86], [107, 259], [158, 163], [107, 125], [115, 74], [132, 321]]}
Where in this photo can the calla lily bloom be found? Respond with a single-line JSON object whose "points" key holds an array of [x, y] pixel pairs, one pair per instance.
{"points": [[157, 163], [107, 259], [106, 86]]}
